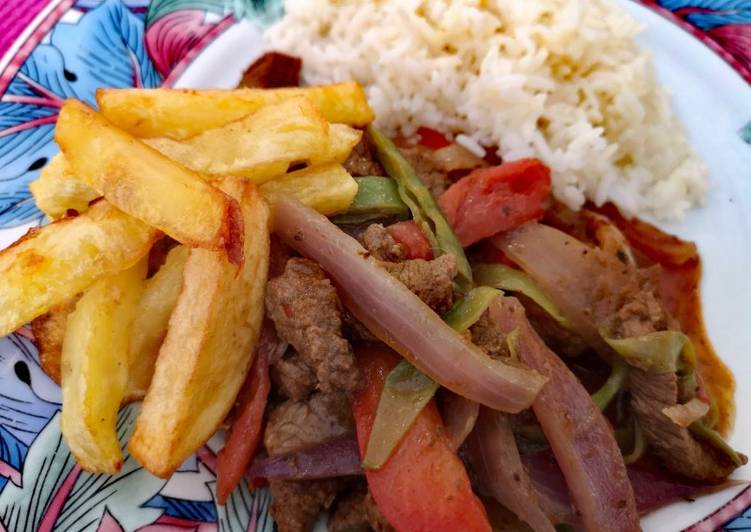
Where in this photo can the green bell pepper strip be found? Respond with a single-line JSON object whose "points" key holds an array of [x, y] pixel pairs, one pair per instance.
{"points": [[661, 352], [407, 390], [377, 199], [608, 391], [511, 280], [701, 431], [425, 211]]}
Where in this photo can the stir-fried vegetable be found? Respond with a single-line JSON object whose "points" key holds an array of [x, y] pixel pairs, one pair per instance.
{"points": [[505, 278], [424, 485], [495, 461], [399, 318], [336, 458], [496, 199], [685, 414], [407, 390], [639, 447], [578, 433], [377, 199], [425, 210], [408, 234], [459, 416], [608, 391], [700, 430], [659, 351], [469, 309]]}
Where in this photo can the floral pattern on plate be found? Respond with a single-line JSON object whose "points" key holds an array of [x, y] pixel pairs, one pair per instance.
{"points": [[58, 49]]}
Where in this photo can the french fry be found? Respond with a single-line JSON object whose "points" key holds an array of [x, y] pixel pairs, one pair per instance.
{"points": [[342, 140], [329, 189], [49, 332], [209, 345], [50, 265], [152, 318], [95, 368], [140, 181], [57, 191], [183, 113], [260, 146]]}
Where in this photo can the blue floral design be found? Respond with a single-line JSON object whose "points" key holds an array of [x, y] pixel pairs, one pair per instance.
{"points": [[105, 47]]}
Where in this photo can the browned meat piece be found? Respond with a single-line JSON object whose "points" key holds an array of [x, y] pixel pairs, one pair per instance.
{"points": [[639, 306], [357, 512], [296, 503], [381, 244], [307, 313], [297, 425], [487, 336], [674, 445], [292, 377], [431, 281], [426, 169], [362, 161], [271, 70]]}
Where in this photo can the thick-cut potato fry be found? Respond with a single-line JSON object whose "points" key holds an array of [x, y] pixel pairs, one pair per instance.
{"points": [[57, 191], [140, 181], [209, 345], [342, 140], [50, 265], [152, 318], [49, 332], [260, 146], [183, 113], [328, 189], [95, 368]]}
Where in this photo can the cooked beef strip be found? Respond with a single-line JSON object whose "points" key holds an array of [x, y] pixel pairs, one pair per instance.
{"points": [[362, 162], [639, 306], [296, 425], [431, 281], [307, 313], [422, 163], [292, 377], [272, 70], [675, 446], [357, 512], [296, 503], [381, 244], [486, 335]]}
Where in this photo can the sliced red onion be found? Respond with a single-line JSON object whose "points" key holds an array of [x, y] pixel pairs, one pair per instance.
{"points": [[399, 318], [578, 433], [495, 460], [685, 414], [459, 416], [336, 458]]}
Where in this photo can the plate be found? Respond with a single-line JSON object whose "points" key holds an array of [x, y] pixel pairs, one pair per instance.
{"points": [[54, 49]]}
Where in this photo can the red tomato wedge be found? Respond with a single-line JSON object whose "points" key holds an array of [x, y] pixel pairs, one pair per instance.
{"points": [[415, 243], [423, 487], [432, 139], [496, 199], [243, 439]]}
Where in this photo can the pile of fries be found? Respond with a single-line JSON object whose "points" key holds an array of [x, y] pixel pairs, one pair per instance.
{"points": [[149, 282]]}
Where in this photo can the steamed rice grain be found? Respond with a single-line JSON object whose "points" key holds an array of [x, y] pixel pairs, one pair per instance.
{"points": [[561, 80]]}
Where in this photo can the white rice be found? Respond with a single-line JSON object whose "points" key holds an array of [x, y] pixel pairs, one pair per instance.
{"points": [[561, 80]]}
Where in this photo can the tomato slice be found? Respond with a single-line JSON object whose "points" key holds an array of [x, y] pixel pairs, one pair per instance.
{"points": [[423, 486], [410, 235], [496, 199], [243, 439], [432, 139]]}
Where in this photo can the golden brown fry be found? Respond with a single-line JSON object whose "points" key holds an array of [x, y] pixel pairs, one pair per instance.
{"points": [[183, 113], [209, 344], [152, 317], [343, 140], [57, 191], [49, 331], [140, 181], [260, 146], [50, 265], [95, 368], [329, 189]]}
